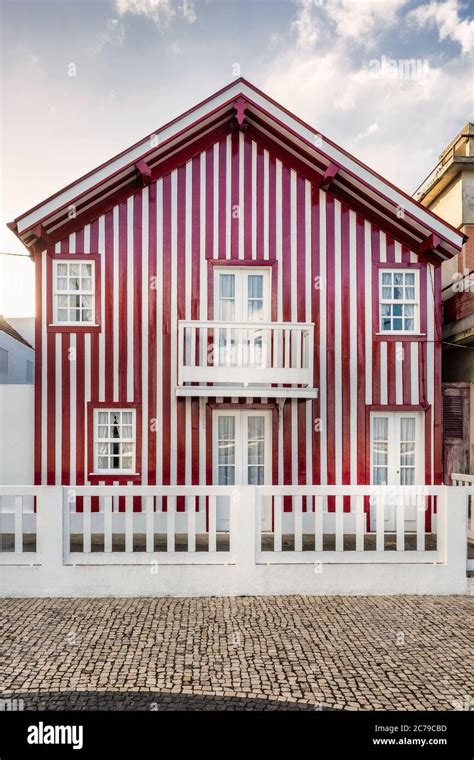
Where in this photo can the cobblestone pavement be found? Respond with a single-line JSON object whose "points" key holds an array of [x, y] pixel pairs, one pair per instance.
{"points": [[239, 653]]}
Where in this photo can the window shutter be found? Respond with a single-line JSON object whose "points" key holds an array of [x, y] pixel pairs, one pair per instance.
{"points": [[453, 416]]}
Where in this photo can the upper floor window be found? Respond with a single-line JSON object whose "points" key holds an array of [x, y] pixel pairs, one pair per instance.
{"points": [[114, 440], [399, 301], [3, 361], [243, 294], [74, 292]]}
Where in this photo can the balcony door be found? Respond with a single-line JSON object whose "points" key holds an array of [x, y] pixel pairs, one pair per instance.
{"points": [[396, 457], [242, 295], [241, 452]]}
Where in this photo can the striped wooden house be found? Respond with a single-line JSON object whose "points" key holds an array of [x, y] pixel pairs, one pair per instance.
{"points": [[236, 299]]}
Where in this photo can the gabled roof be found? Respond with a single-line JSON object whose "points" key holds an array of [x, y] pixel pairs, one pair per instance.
{"points": [[7, 328], [241, 105]]}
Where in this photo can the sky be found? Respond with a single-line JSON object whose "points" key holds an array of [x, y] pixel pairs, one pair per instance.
{"points": [[81, 80]]}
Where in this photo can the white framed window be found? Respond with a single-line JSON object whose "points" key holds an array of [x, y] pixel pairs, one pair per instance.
{"points": [[73, 292], [114, 441], [396, 448], [3, 361], [399, 298]]}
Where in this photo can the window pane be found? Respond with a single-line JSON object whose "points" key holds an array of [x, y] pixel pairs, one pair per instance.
{"points": [[397, 310], [227, 285], [74, 270], [61, 270], [380, 428], [407, 476], [397, 293], [386, 309], [386, 324], [407, 429], [103, 418], [62, 315], [386, 278], [127, 448], [102, 432], [226, 476], [397, 324], [255, 311], [255, 286], [103, 463], [226, 427], [398, 278], [127, 462], [409, 278], [409, 325], [256, 475], [127, 418], [86, 283], [74, 283], [380, 476], [386, 292], [127, 431], [62, 283], [410, 293], [86, 270], [226, 310]]}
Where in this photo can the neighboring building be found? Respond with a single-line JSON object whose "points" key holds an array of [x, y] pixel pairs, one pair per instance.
{"points": [[235, 299], [17, 356], [25, 326], [449, 191]]}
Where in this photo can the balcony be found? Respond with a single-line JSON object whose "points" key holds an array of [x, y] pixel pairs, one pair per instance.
{"points": [[244, 356]]}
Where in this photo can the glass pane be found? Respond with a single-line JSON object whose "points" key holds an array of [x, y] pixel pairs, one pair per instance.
{"points": [[398, 293], [386, 324], [127, 448], [226, 427], [127, 431], [127, 462], [386, 309], [86, 283], [397, 310], [103, 463], [255, 286], [255, 311], [407, 429], [256, 475], [226, 310], [409, 310], [410, 293], [397, 324], [102, 432], [74, 283], [226, 476], [386, 278], [62, 270], [380, 454], [62, 300], [386, 292], [127, 418], [409, 278], [380, 476], [407, 476], [407, 455], [256, 427], [227, 285], [62, 283], [74, 270], [103, 417], [398, 278], [256, 452], [380, 428], [86, 270], [103, 449], [87, 315], [226, 453], [409, 325]]}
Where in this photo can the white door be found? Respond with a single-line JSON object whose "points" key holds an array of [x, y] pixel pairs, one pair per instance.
{"points": [[396, 457], [241, 453], [242, 294]]}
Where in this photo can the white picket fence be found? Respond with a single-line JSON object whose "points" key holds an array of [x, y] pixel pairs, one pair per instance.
{"points": [[168, 540], [467, 481]]}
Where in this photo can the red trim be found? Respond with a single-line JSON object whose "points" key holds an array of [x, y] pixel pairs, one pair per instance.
{"points": [[122, 479], [53, 328], [241, 262], [397, 407]]}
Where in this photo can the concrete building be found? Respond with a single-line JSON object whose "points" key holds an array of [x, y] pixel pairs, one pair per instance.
{"points": [[449, 192]]}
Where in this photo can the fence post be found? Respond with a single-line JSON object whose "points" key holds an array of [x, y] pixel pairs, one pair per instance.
{"points": [[243, 528], [49, 530], [451, 528]]}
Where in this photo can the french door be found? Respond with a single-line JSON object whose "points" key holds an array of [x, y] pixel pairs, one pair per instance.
{"points": [[241, 452], [396, 454], [242, 295]]}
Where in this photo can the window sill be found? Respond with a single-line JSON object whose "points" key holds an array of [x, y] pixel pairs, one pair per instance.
{"points": [[73, 328], [399, 336]]}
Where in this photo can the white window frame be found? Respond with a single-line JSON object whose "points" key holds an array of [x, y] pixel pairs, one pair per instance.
{"points": [[393, 448], [400, 301], [241, 274], [96, 441], [56, 293]]}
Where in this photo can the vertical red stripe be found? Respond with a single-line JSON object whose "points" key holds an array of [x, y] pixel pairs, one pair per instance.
{"points": [[248, 211], [346, 286], [122, 299], [330, 296]]}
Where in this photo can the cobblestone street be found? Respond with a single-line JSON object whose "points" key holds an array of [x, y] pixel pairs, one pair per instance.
{"points": [[246, 653]]}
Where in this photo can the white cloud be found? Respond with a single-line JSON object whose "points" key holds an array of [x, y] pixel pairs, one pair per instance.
{"points": [[359, 22], [445, 16], [397, 125], [159, 11]]}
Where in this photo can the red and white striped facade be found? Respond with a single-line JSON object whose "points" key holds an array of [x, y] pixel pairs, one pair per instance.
{"points": [[154, 246]]}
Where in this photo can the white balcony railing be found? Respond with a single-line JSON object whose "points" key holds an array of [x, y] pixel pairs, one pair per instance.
{"points": [[245, 353]]}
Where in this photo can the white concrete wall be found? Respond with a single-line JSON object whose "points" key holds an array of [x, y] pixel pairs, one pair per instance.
{"points": [[18, 355], [16, 434]]}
